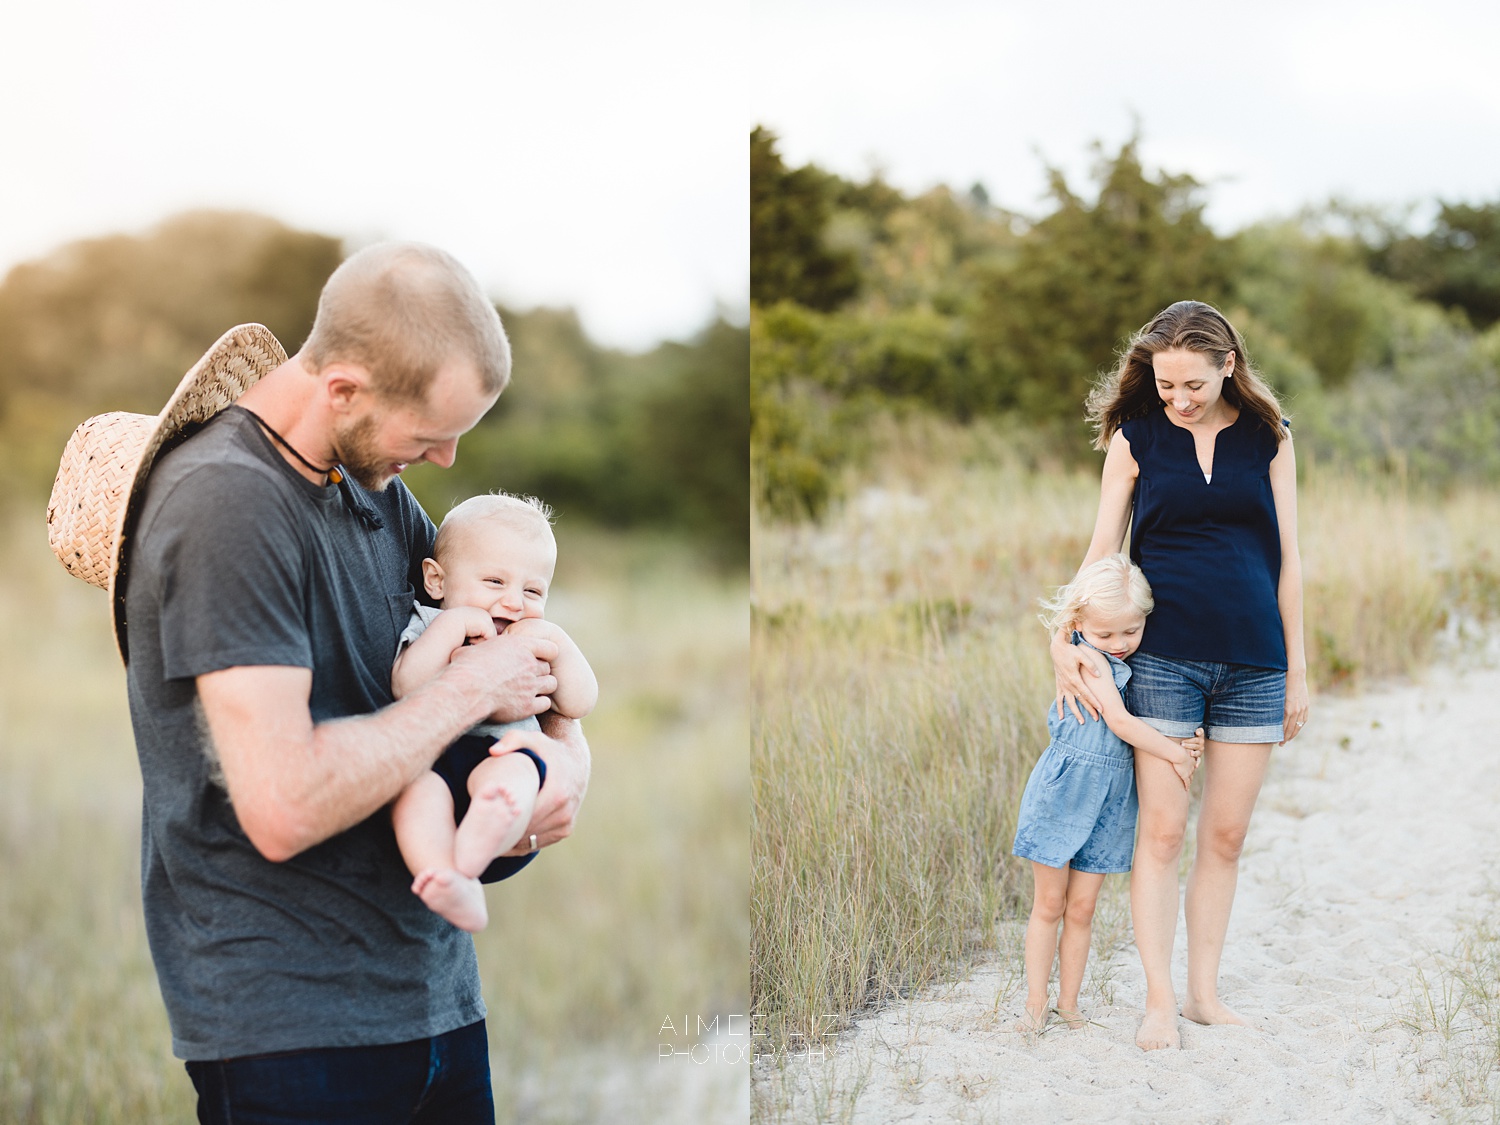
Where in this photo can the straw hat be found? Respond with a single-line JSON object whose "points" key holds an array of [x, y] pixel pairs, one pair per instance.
{"points": [[106, 461]]}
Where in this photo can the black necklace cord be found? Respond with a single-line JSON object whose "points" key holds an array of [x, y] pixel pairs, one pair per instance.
{"points": [[358, 504], [367, 516], [332, 473]]}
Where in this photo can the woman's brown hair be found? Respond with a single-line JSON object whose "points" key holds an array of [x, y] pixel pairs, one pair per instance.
{"points": [[1129, 391]]}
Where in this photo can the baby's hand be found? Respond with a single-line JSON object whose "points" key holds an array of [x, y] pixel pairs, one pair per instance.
{"points": [[478, 625], [533, 627]]}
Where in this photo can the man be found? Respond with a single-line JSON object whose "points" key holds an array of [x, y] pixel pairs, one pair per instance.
{"points": [[271, 568]]}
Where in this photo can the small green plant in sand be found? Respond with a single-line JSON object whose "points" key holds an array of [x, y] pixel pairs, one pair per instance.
{"points": [[1452, 1010]]}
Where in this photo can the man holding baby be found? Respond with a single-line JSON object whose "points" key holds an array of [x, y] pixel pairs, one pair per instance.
{"points": [[263, 570]]}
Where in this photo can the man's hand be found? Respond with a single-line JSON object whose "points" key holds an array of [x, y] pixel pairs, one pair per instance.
{"points": [[512, 674], [566, 753]]}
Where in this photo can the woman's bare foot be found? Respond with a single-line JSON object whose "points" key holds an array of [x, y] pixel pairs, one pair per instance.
{"points": [[1212, 1012], [1033, 1020], [1158, 1031], [1072, 1017], [454, 896], [502, 798]]}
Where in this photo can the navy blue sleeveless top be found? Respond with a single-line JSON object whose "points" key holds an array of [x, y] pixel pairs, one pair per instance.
{"points": [[1211, 551]]}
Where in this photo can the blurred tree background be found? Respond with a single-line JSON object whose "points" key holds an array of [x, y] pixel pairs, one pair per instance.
{"points": [[656, 441], [1384, 342]]}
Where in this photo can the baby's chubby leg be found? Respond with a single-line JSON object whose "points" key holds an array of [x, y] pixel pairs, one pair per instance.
{"points": [[503, 794], [422, 817]]}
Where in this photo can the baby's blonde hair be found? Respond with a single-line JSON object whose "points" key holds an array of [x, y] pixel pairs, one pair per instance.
{"points": [[524, 513], [1110, 585]]}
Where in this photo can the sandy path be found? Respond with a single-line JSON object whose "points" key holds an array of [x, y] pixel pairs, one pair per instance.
{"points": [[1375, 837]]}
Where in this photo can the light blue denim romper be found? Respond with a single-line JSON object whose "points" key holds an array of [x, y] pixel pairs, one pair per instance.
{"points": [[1080, 805]]}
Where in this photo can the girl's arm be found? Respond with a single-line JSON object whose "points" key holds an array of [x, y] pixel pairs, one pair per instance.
{"points": [[577, 689], [1289, 589], [1116, 488], [429, 654], [1133, 730]]}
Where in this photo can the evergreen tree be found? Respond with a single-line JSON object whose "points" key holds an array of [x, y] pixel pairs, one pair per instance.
{"points": [[788, 213], [1087, 276]]}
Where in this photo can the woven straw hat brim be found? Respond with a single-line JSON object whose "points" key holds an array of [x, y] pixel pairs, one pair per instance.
{"points": [[106, 462]]}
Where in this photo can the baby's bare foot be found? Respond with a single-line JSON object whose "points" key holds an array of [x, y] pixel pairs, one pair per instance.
{"points": [[1158, 1031], [453, 896], [499, 812], [1033, 1020], [1072, 1017], [1212, 1012]]}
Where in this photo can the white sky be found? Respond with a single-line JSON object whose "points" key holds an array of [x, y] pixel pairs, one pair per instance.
{"points": [[580, 153], [1275, 103]]}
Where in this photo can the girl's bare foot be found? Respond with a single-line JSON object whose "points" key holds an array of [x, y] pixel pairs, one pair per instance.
{"points": [[454, 896], [1072, 1017], [1033, 1020], [1158, 1031], [499, 811], [1212, 1012]]}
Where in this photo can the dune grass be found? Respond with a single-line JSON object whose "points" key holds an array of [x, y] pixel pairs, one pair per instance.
{"points": [[899, 688], [1452, 1010], [643, 913]]}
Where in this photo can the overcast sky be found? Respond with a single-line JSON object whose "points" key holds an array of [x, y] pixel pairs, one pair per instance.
{"points": [[578, 153], [1275, 104]]}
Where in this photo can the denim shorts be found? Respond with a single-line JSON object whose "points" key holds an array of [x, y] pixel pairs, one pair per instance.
{"points": [[1079, 808], [1231, 702]]}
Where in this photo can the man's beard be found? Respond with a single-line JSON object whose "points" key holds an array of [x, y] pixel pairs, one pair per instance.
{"points": [[355, 445]]}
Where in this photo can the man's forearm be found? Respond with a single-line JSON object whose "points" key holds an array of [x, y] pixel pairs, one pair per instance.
{"points": [[360, 764], [294, 784]]}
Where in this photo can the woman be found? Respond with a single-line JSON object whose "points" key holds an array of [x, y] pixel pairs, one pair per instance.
{"points": [[1198, 448]]}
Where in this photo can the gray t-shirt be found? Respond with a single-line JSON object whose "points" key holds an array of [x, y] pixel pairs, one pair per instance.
{"points": [[238, 560]]}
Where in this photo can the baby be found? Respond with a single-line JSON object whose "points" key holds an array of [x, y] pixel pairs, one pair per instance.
{"points": [[492, 565]]}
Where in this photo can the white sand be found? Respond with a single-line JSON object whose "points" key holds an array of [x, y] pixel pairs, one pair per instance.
{"points": [[1375, 839]]}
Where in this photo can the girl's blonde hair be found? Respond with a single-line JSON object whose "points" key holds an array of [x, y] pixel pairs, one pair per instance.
{"points": [[1111, 585]]}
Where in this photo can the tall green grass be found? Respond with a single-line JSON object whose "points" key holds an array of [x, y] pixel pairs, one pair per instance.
{"points": [[900, 684], [641, 914]]}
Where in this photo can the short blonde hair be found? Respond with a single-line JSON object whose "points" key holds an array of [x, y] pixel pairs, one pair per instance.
{"points": [[522, 513], [401, 311], [1111, 585]]}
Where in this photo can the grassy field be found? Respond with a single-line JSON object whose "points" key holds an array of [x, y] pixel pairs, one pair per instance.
{"points": [[900, 685], [641, 915]]}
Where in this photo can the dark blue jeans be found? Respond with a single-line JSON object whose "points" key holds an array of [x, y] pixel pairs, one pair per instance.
{"points": [[428, 1081]]}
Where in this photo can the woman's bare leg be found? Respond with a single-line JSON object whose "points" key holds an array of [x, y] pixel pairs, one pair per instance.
{"points": [[1232, 776], [1073, 948], [1154, 893]]}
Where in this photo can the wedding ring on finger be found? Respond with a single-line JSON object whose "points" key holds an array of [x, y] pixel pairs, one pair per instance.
{"points": [[533, 841]]}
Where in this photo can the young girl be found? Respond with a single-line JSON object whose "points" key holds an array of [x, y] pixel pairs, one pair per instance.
{"points": [[1077, 819]]}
